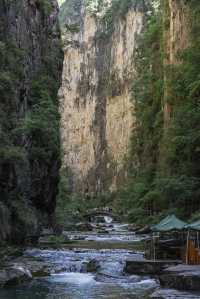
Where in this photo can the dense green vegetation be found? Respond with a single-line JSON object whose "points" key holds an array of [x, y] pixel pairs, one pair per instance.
{"points": [[72, 207], [41, 122], [68, 9], [111, 14], [164, 175], [138, 196], [30, 69], [44, 6], [11, 74], [118, 9]]}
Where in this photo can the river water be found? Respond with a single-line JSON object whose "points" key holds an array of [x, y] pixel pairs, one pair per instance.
{"points": [[107, 281]]}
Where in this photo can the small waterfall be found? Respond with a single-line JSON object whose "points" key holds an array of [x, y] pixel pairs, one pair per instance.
{"points": [[82, 273], [108, 219]]}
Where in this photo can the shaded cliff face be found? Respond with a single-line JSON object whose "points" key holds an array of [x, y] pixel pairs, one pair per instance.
{"points": [[166, 139], [176, 39], [31, 65], [178, 28], [95, 98]]}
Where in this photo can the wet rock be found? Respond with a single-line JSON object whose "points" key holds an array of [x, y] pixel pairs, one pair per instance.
{"points": [[64, 236], [58, 229], [173, 294], [54, 240], [79, 238], [142, 231], [93, 266], [39, 269], [147, 267], [98, 219], [7, 253], [181, 277], [133, 227], [84, 226], [32, 240], [46, 232], [36, 267], [14, 275], [135, 278], [58, 269], [103, 231]]}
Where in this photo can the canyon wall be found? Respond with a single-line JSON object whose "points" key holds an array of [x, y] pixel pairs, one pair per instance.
{"points": [[31, 67], [166, 139], [95, 98], [176, 38], [178, 28]]}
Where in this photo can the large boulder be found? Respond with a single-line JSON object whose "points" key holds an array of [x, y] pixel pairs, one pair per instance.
{"points": [[181, 277], [93, 266], [14, 275], [36, 267], [147, 267]]}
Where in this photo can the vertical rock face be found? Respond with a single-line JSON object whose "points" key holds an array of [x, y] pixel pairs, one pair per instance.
{"points": [[178, 28], [95, 98], [176, 37], [31, 58]]}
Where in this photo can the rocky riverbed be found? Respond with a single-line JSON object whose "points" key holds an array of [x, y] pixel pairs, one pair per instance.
{"points": [[76, 270]]}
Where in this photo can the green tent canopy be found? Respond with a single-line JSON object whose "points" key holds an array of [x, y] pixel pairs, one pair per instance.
{"points": [[194, 226], [170, 223]]}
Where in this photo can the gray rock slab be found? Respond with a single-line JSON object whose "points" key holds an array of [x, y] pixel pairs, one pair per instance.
{"points": [[146, 267], [181, 277], [173, 294]]}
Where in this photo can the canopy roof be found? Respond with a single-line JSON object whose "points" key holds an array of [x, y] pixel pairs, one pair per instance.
{"points": [[194, 226], [169, 223]]}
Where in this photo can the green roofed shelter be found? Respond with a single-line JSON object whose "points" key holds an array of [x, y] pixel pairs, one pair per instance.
{"points": [[170, 223], [194, 226]]}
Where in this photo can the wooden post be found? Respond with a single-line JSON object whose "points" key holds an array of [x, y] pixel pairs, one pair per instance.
{"points": [[154, 248], [187, 247]]}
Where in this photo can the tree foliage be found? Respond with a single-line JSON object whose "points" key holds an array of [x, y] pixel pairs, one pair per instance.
{"points": [[165, 171]]}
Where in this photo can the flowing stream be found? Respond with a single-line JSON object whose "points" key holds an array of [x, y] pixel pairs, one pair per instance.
{"points": [[88, 273]]}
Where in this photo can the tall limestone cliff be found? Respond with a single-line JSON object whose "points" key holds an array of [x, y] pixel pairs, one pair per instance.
{"points": [[31, 67], [100, 39], [176, 38]]}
